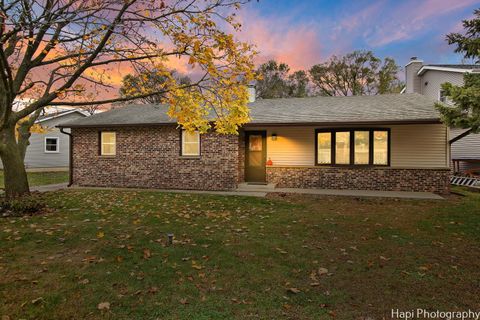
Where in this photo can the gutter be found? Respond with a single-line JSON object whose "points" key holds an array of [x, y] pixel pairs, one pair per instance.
{"points": [[70, 161], [259, 123]]}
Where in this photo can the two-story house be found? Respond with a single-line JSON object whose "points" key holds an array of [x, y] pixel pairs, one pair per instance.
{"points": [[427, 79]]}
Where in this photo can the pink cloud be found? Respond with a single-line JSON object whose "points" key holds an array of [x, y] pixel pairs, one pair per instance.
{"points": [[276, 38], [411, 18]]}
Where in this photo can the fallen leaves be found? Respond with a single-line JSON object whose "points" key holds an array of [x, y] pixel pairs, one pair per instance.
{"points": [[147, 254], [103, 306], [293, 290]]}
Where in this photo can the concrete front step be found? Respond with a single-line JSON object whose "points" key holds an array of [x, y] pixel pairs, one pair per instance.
{"points": [[256, 187]]}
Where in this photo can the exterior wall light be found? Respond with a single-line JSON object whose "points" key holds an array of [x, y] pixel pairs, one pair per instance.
{"points": [[274, 137]]}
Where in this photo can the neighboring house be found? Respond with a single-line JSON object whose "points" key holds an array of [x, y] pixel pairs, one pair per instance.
{"points": [[51, 149], [384, 142], [427, 79]]}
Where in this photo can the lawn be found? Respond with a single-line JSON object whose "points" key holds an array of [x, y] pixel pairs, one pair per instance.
{"points": [[42, 178], [105, 255]]}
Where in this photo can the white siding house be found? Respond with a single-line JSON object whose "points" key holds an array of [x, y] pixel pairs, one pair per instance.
{"points": [[51, 149], [427, 79]]}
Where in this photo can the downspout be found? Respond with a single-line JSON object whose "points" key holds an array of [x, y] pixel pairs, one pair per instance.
{"points": [[70, 161]]}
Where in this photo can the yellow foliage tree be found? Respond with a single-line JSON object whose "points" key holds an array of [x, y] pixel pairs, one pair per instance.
{"points": [[61, 52]]}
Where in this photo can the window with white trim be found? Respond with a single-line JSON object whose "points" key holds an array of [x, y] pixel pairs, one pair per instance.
{"points": [[51, 145], [190, 143], [108, 143]]}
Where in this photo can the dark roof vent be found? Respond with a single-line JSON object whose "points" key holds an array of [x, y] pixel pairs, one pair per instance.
{"points": [[413, 58]]}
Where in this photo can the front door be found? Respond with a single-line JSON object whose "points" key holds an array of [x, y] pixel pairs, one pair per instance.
{"points": [[255, 156]]}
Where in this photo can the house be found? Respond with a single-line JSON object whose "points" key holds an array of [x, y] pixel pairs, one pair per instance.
{"points": [[50, 150], [426, 79], [385, 142]]}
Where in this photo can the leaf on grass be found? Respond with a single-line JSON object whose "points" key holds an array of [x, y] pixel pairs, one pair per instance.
{"points": [[37, 301], [147, 254], [103, 306], [322, 271], [293, 290], [100, 235], [183, 301]]}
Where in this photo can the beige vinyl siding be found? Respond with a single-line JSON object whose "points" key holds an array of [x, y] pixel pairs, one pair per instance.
{"points": [[412, 146], [423, 146]]}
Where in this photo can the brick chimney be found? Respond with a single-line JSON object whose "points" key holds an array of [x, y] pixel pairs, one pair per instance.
{"points": [[412, 80]]}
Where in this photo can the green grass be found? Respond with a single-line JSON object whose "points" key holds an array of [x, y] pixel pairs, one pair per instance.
{"points": [[42, 178], [238, 257]]}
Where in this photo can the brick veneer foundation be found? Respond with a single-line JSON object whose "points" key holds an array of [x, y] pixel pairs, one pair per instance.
{"points": [[387, 179], [149, 157]]}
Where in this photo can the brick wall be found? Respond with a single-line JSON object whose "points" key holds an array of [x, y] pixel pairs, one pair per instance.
{"points": [[150, 158], [241, 156], [389, 179]]}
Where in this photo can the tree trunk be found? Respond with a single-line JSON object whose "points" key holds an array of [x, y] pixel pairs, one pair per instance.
{"points": [[15, 176]]}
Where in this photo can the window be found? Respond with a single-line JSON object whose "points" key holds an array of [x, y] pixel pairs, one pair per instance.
{"points": [[190, 143], [352, 147], [441, 96], [362, 147], [51, 145], [324, 147], [342, 148], [108, 143], [380, 148]]}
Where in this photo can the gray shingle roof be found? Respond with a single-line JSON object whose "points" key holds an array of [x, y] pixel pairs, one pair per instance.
{"points": [[358, 109]]}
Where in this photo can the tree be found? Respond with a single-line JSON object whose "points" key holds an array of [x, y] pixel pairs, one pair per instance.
{"points": [[465, 109], [276, 81], [356, 73], [273, 80], [60, 51], [298, 84], [150, 80], [468, 43]]}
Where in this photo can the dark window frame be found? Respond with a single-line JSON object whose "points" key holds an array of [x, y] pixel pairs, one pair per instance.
{"points": [[333, 132]]}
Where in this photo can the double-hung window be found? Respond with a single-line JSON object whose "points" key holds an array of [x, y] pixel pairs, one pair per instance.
{"points": [[108, 143], [51, 145], [355, 147], [190, 143]]}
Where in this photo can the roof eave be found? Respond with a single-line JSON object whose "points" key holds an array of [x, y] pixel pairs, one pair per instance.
{"points": [[270, 124], [426, 68], [343, 123]]}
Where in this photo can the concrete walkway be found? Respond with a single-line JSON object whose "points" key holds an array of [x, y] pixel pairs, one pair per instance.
{"points": [[363, 193], [49, 187], [261, 192]]}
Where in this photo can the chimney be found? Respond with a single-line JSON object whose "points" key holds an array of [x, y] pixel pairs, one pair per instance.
{"points": [[412, 80], [252, 93]]}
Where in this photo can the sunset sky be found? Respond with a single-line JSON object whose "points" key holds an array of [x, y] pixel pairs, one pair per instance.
{"points": [[306, 32]]}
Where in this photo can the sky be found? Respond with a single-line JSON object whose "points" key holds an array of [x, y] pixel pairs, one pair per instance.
{"points": [[306, 32]]}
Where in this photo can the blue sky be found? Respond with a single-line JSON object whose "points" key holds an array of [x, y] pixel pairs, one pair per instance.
{"points": [[306, 32]]}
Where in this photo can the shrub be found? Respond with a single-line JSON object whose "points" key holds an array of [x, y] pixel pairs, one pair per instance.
{"points": [[27, 205]]}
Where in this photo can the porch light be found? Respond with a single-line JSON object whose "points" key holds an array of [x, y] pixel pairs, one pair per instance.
{"points": [[274, 137]]}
